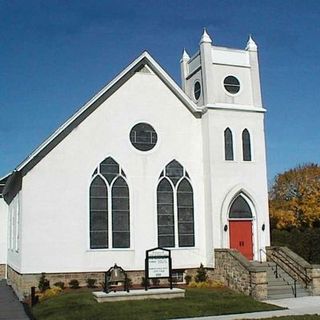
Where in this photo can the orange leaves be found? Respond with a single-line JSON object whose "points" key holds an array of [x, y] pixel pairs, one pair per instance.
{"points": [[295, 198]]}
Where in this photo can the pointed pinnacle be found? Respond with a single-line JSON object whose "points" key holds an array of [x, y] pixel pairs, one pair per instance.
{"points": [[251, 45], [205, 37], [185, 55]]}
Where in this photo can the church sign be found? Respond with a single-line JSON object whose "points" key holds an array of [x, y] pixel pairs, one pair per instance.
{"points": [[158, 265]]}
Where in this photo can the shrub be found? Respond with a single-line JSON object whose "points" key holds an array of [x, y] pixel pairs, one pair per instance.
{"points": [[60, 285], [49, 293], [206, 284], [188, 279], [201, 275], [155, 282], [74, 284], [44, 284], [129, 283], [144, 281], [91, 283]]}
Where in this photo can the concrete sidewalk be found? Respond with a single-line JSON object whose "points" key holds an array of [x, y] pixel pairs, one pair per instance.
{"points": [[296, 306], [10, 307]]}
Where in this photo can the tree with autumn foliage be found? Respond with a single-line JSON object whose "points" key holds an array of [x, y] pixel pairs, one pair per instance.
{"points": [[295, 198]]}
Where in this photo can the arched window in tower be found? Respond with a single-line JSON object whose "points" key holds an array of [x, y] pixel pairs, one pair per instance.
{"points": [[228, 144], [109, 207], [246, 145], [175, 209], [240, 209]]}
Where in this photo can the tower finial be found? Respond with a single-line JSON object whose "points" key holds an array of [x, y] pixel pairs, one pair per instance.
{"points": [[205, 37], [185, 55], [251, 45]]}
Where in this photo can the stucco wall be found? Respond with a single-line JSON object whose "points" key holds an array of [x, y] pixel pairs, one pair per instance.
{"points": [[55, 193], [3, 231], [228, 178]]}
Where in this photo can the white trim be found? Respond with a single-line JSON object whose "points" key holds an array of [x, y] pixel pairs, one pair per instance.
{"points": [[179, 92], [235, 107]]}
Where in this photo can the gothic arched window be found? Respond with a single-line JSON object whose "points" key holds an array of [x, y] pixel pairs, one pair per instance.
{"points": [[240, 209], [228, 144], [246, 145], [109, 207], [175, 209]]}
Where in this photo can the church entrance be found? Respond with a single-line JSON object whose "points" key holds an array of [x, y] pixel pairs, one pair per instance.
{"points": [[241, 237], [240, 227]]}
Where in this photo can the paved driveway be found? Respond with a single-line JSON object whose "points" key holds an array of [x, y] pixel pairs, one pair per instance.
{"points": [[10, 307]]}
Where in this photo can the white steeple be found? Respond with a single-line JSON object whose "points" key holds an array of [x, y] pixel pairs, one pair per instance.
{"points": [[251, 45], [205, 37]]}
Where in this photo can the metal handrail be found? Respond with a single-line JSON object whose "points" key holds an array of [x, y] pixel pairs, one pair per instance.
{"points": [[301, 274], [294, 286]]}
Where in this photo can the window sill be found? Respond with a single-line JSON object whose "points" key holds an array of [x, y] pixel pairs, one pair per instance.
{"points": [[110, 250]]}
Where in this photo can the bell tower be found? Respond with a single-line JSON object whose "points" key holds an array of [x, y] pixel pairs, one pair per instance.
{"points": [[219, 76], [225, 82]]}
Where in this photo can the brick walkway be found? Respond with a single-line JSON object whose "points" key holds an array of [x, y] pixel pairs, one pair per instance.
{"points": [[10, 307]]}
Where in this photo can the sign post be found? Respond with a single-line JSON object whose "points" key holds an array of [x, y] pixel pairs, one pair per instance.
{"points": [[158, 265]]}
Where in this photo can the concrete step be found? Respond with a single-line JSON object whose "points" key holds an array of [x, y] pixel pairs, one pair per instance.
{"points": [[280, 296], [282, 286]]}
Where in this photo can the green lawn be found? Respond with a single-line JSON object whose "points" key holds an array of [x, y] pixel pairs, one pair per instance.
{"points": [[198, 302]]}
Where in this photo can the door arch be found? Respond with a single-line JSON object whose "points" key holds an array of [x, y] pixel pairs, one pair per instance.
{"points": [[240, 227]]}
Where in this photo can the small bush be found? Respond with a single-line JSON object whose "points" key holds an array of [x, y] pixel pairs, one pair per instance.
{"points": [[44, 284], [60, 285], [91, 283], [129, 283], [74, 284], [206, 284], [201, 275], [188, 279], [49, 293], [155, 282], [144, 281]]}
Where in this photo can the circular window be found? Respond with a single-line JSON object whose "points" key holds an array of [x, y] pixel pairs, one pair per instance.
{"points": [[231, 84], [197, 90], [143, 137]]}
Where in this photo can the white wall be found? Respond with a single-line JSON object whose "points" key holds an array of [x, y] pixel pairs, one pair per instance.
{"points": [[14, 231], [3, 231], [230, 177], [55, 192]]}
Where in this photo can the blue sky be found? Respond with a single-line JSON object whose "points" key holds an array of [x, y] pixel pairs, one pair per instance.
{"points": [[55, 55]]}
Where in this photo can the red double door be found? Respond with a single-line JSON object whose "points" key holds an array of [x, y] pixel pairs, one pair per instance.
{"points": [[240, 235]]}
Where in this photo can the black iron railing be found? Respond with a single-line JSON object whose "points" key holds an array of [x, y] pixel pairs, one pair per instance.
{"points": [[277, 274]]}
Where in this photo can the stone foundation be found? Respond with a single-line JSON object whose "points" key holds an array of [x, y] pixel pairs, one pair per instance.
{"points": [[315, 287], [2, 271], [22, 283], [239, 274]]}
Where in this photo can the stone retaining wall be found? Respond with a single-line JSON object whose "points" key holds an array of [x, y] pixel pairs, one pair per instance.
{"points": [[315, 286], [2, 271], [236, 272]]}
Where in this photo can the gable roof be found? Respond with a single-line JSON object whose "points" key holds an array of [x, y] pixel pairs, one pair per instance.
{"points": [[144, 59]]}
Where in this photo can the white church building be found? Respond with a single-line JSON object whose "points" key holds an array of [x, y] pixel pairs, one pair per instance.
{"points": [[144, 164]]}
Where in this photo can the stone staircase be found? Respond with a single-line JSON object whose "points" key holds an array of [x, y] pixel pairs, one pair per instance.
{"points": [[282, 287]]}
